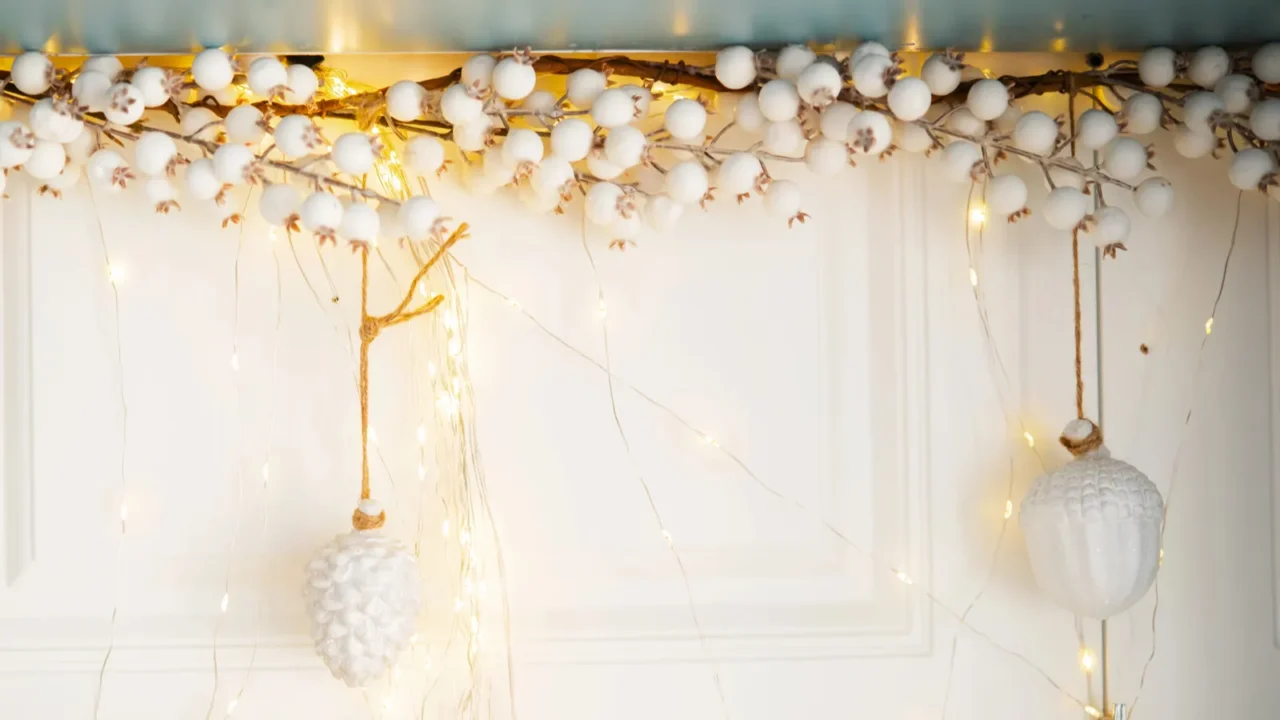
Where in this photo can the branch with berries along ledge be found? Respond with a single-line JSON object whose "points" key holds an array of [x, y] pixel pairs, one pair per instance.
{"points": [[807, 107]]}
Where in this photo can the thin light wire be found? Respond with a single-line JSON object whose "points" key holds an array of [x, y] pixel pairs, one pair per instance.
{"points": [[765, 487], [644, 484], [1182, 436]]}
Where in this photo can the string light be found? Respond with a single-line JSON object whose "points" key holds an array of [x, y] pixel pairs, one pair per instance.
{"points": [[1093, 711], [1031, 441], [978, 215], [266, 471], [231, 706], [373, 435], [124, 514], [226, 600], [905, 578], [422, 471], [235, 361], [1008, 509], [973, 277], [603, 309], [422, 435], [667, 536], [1087, 660], [444, 528], [115, 274], [1208, 326]]}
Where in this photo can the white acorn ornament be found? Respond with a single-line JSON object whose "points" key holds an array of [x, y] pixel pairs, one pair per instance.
{"points": [[1208, 65], [321, 213], [571, 139], [424, 154], [245, 124], [988, 99], [161, 195], [268, 77], [1249, 167], [212, 69], [155, 153], [865, 50], [1191, 143], [1110, 227], [746, 113], [834, 122], [524, 146], [1158, 67], [783, 199], [963, 121], [1125, 158], [514, 76], [1036, 133], [779, 100], [687, 182], [909, 99], [418, 216], [362, 594], [1154, 197], [1065, 208], [477, 71], [1198, 110], [108, 65], [662, 213], [32, 72], [583, 86], [354, 153], [1264, 121], [819, 84], [1006, 195], [739, 174], [793, 60], [360, 224], [296, 136], [46, 161], [202, 180], [1142, 113], [404, 100], [601, 203], [625, 146], [233, 164], [912, 137], [961, 157], [1266, 63], [200, 123], [1095, 128], [459, 105], [784, 138], [614, 107], [302, 86], [90, 89], [106, 169], [872, 74], [870, 133], [942, 73], [1092, 528], [685, 119], [824, 156], [278, 205], [1237, 92], [736, 67]]}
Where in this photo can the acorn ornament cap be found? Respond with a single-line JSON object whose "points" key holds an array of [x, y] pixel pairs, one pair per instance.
{"points": [[1092, 528]]}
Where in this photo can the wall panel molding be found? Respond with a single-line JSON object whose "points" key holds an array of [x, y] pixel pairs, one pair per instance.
{"points": [[17, 531]]}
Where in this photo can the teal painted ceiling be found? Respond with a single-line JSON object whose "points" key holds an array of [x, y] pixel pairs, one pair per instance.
{"points": [[162, 26]]}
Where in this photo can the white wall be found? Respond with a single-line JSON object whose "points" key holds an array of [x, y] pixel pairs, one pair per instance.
{"points": [[842, 361]]}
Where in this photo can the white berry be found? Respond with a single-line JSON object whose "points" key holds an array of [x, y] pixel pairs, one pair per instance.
{"points": [[513, 78], [1264, 121], [90, 89], [824, 156], [583, 86], [739, 174], [1095, 128], [1125, 158], [818, 84], [988, 99], [418, 216], [783, 198], [614, 107], [792, 60], [32, 72], [870, 73], [963, 121], [245, 125], [1237, 93], [960, 157], [231, 163], [108, 65], [779, 100], [404, 101], [687, 182], [303, 84], [685, 119], [1191, 143], [1065, 208], [941, 77], [834, 122], [1208, 65], [747, 115], [423, 154], [870, 133], [909, 99], [1036, 133], [202, 180], [360, 223], [601, 204], [662, 213], [267, 76], [46, 160], [212, 69], [1157, 67], [297, 135], [571, 139], [153, 152], [1006, 194], [523, 146], [1266, 63], [1142, 113], [784, 138], [321, 213], [477, 71], [913, 138], [625, 146], [1249, 167], [736, 67], [864, 50], [1198, 109], [279, 203], [353, 153], [1110, 225]]}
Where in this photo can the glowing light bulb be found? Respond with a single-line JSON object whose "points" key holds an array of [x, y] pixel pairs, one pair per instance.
{"points": [[1208, 326], [431, 369], [1160, 560], [266, 471], [475, 624], [973, 277], [450, 319], [603, 309], [708, 440], [464, 537], [422, 472], [457, 604], [1093, 711], [905, 578], [1087, 660], [373, 436], [455, 347], [978, 215], [231, 706], [514, 304], [226, 600], [273, 235], [124, 512], [1008, 509], [427, 665], [1031, 441], [235, 361], [667, 536], [444, 528], [115, 274], [422, 435]]}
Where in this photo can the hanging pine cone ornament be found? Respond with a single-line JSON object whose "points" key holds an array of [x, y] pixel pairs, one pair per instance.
{"points": [[1093, 528], [362, 597]]}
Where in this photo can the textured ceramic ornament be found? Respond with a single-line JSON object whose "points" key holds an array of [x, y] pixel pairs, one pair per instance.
{"points": [[362, 597], [1093, 528]]}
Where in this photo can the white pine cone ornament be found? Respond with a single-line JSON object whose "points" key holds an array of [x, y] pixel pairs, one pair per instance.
{"points": [[362, 597], [1093, 528]]}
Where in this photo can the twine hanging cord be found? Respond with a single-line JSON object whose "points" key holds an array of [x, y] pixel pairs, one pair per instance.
{"points": [[370, 327], [1075, 438]]}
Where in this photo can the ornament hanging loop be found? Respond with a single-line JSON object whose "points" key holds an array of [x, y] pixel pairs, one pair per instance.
{"points": [[1081, 437]]}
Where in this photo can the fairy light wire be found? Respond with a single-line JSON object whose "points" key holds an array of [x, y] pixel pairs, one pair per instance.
{"points": [[644, 483], [112, 280]]}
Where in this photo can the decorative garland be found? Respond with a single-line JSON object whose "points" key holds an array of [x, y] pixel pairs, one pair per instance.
{"points": [[824, 111]]}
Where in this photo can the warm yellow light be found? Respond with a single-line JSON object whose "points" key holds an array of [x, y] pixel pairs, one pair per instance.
{"points": [[431, 370], [1093, 711], [973, 277], [978, 216], [1059, 44], [273, 235], [235, 361], [231, 706], [1087, 660], [514, 304], [266, 471], [373, 436], [603, 310], [124, 512], [226, 600], [422, 435], [444, 528], [667, 536], [707, 439], [464, 537], [115, 274], [457, 604], [1208, 326], [422, 472], [1031, 441], [905, 578], [1160, 560], [1008, 509], [455, 347]]}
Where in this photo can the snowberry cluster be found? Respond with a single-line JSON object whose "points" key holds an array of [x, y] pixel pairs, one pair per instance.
{"points": [[638, 153]]}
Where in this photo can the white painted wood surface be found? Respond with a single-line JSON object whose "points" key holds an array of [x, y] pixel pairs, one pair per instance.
{"points": [[843, 362]]}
